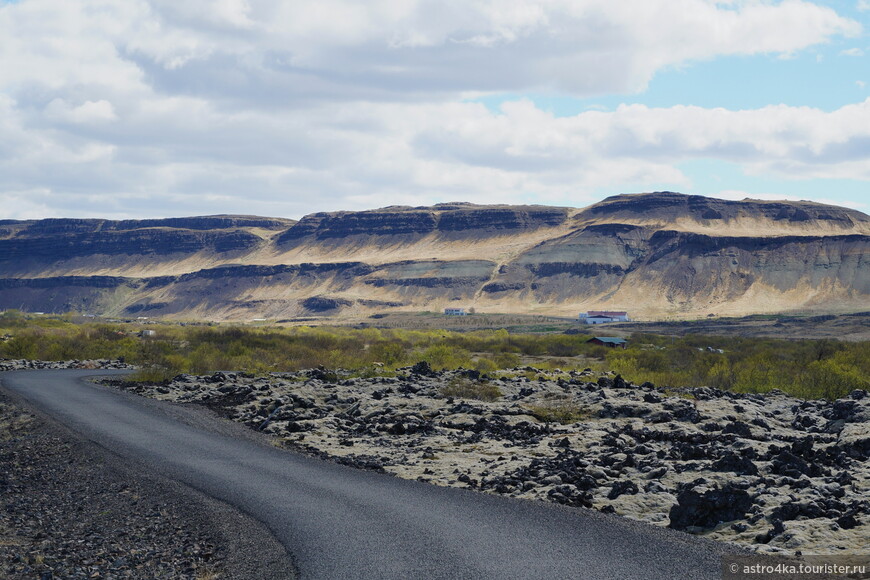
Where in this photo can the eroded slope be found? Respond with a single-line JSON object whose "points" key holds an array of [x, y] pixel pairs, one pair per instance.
{"points": [[659, 254]]}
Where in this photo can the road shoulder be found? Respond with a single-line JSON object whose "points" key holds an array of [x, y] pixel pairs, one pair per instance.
{"points": [[71, 507]]}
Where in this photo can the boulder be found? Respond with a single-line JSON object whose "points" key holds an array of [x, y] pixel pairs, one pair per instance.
{"points": [[735, 463], [706, 508], [622, 487]]}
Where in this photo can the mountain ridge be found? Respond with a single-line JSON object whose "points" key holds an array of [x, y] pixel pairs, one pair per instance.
{"points": [[660, 254]]}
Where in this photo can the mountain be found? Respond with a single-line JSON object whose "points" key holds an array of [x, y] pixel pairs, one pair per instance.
{"points": [[654, 254]]}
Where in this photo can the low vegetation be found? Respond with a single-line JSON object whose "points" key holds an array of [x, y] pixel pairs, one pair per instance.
{"points": [[560, 411], [465, 388], [804, 368]]}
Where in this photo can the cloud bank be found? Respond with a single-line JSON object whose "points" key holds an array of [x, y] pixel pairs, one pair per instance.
{"points": [[134, 107]]}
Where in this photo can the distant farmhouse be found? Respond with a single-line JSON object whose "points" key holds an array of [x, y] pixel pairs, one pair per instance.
{"points": [[455, 312], [609, 341], [603, 316]]}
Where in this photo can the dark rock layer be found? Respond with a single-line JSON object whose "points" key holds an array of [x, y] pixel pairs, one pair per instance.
{"points": [[598, 256]]}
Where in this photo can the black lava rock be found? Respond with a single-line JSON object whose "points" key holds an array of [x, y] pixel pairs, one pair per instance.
{"points": [[708, 508], [622, 487], [734, 463]]}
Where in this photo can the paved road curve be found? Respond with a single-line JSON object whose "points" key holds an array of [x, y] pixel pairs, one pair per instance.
{"points": [[343, 523]]}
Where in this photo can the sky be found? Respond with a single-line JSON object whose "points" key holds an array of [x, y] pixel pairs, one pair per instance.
{"points": [[157, 108]]}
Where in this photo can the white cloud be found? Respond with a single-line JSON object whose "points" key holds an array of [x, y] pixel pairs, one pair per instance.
{"points": [[159, 107], [172, 159], [863, 5], [88, 112], [793, 142], [388, 49], [852, 52]]}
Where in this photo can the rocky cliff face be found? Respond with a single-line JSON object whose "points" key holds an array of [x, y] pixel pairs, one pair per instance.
{"points": [[128, 242], [444, 220], [61, 246], [665, 208], [660, 254]]}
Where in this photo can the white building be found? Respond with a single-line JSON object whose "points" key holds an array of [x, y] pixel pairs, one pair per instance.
{"points": [[455, 312], [603, 316]]}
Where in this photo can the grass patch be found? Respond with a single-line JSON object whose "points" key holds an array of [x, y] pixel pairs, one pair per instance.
{"points": [[463, 388], [562, 412], [152, 375]]}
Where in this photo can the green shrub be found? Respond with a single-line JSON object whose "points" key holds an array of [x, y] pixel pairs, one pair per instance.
{"points": [[485, 365], [598, 351], [507, 360], [391, 354], [442, 356], [20, 346], [152, 375], [804, 368]]}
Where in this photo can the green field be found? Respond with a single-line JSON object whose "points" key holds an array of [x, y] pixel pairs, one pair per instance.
{"points": [[804, 368]]}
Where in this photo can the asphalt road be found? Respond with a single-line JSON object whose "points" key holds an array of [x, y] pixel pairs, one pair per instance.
{"points": [[339, 522]]}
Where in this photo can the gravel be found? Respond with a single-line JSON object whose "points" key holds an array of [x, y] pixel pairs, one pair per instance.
{"points": [[69, 509]]}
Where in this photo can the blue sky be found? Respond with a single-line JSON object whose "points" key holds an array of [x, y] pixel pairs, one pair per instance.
{"points": [[827, 77], [823, 77], [126, 108]]}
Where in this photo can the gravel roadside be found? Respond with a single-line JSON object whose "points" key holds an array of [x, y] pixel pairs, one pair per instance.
{"points": [[70, 509]]}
